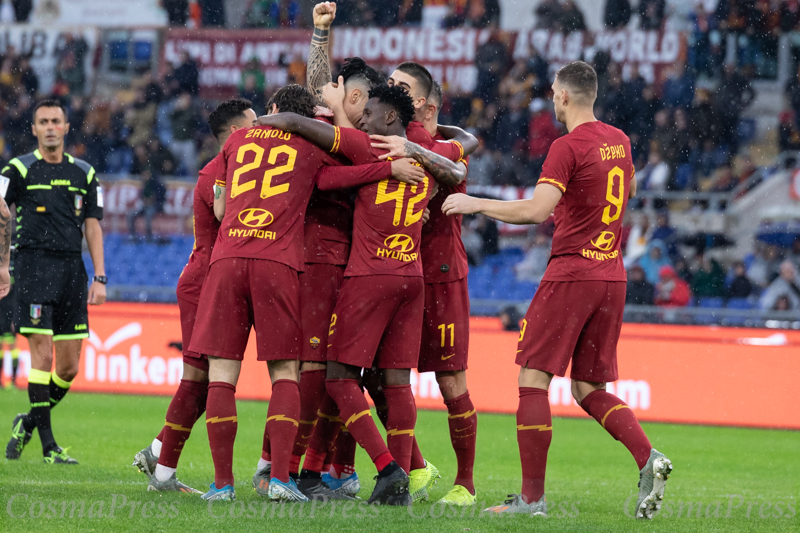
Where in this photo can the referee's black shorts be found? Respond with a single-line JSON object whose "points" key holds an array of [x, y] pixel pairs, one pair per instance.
{"points": [[52, 292]]}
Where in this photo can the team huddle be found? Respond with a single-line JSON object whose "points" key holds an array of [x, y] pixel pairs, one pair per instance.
{"points": [[332, 226]]}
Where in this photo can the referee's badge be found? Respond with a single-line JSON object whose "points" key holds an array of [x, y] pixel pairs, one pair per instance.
{"points": [[78, 204], [36, 313]]}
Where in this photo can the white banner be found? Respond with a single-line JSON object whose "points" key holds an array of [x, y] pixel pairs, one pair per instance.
{"points": [[43, 44], [99, 12]]}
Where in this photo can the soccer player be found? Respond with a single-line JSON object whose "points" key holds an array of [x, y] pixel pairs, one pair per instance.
{"points": [[576, 314], [8, 331], [160, 459], [378, 317], [56, 197]]}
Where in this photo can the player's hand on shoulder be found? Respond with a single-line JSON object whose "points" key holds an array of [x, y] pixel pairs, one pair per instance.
{"points": [[324, 14], [460, 204], [5, 282], [282, 121], [426, 216], [407, 171], [333, 95], [320, 111], [97, 293], [396, 146]]}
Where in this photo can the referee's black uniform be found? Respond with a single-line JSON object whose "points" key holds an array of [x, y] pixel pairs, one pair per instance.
{"points": [[52, 202]]}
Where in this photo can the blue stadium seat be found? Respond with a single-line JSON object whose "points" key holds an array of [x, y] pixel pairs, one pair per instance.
{"points": [[709, 303]]}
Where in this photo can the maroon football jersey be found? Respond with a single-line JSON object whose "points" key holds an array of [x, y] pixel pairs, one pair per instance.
{"points": [[444, 258], [205, 226], [592, 166], [387, 226], [269, 175]]}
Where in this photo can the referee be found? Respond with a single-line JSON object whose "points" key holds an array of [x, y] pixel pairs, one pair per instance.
{"points": [[55, 195]]}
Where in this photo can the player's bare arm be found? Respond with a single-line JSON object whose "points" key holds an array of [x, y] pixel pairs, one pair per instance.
{"points": [[632, 190], [5, 248], [441, 168], [453, 133], [318, 71], [315, 131], [219, 201], [533, 211], [94, 241]]}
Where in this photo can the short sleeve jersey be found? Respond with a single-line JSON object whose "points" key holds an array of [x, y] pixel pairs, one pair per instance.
{"points": [[269, 175], [206, 227], [444, 258], [52, 201], [592, 167], [387, 225]]}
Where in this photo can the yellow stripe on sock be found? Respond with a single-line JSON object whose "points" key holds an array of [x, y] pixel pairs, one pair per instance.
{"points": [[39, 377], [283, 418], [217, 420], [409, 432], [356, 417], [60, 382], [462, 415], [176, 427], [542, 427], [332, 418], [615, 408]]}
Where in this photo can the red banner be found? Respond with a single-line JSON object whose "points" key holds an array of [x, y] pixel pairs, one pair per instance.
{"points": [[685, 374], [449, 54]]}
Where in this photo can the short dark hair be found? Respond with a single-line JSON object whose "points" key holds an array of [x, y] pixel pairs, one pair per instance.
{"points": [[419, 73], [356, 69], [397, 98], [51, 103], [436, 95], [221, 118], [580, 78], [293, 99]]}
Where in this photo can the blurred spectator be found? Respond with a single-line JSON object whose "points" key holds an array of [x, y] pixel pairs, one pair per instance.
{"points": [[512, 128], [27, 77], [548, 15], [275, 13], [473, 243], [22, 9], [212, 13], [253, 84], [572, 17], [709, 280], [764, 267], [655, 258], [185, 121], [651, 14], [491, 59], [678, 90], [518, 82], [151, 202], [533, 265], [788, 134], [177, 11], [671, 290], [683, 270], [509, 318], [161, 160], [617, 14], [71, 74], [733, 96], [787, 285], [487, 229], [639, 291], [655, 175], [188, 75], [140, 118], [638, 238], [665, 233], [792, 92], [740, 286], [795, 252], [482, 165], [783, 303], [542, 131]]}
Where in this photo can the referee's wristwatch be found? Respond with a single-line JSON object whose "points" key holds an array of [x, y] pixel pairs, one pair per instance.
{"points": [[101, 279]]}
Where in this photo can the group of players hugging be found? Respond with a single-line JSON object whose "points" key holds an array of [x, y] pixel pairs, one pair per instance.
{"points": [[332, 225]]}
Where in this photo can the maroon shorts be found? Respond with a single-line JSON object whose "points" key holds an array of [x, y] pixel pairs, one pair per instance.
{"points": [[319, 289], [445, 330], [377, 322], [239, 293], [188, 312], [576, 321]]}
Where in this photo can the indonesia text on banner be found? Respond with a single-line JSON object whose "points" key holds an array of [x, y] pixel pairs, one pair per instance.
{"points": [[687, 374]]}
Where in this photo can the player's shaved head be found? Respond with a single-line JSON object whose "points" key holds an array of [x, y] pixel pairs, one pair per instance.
{"points": [[420, 75], [580, 80], [226, 114], [293, 99], [356, 70]]}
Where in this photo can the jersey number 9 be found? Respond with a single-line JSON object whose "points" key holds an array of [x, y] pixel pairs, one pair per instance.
{"points": [[616, 201]]}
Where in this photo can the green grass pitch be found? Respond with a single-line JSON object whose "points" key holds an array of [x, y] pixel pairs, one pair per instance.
{"points": [[734, 479]]}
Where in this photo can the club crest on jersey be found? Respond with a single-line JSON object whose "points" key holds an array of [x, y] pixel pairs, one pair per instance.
{"points": [[314, 341], [78, 204], [36, 313], [604, 241], [255, 217]]}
